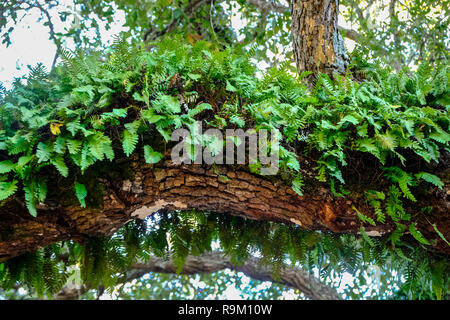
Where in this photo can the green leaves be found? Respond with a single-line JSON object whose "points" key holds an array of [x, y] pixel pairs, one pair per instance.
{"points": [[368, 145], [297, 185], [194, 76], [293, 163], [431, 178], [100, 146], [201, 107], [83, 94], [440, 234], [81, 193], [148, 115], [230, 87], [394, 205], [152, 156], [237, 120], [142, 98], [60, 165], [75, 120], [130, 137], [341, 126], [165, 103], [365, 236], [289, 159], [43, 152], [417, 234], [387, 141], [350, 118], [374, 198], [403, 179], [6, 166], [73, 146], [74, 126], [121, 113], [30, 199], [363, 217], [129, 142], [7, 189]]}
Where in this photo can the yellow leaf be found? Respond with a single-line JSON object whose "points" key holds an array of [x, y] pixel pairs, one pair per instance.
{"points": [[55, 128], [190, 39], [193, 37]]}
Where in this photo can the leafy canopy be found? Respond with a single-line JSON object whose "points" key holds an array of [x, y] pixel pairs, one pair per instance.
{"points": [[94, 109]]}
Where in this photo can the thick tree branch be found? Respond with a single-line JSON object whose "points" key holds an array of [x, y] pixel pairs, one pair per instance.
{"points": [[350, 34], [253, 268], [212, 262], [172, 187], [228, 190], [268, 6]]}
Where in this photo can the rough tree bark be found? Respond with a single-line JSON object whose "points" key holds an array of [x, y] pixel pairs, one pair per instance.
{"points": [[212, 262], [318, 45], [184, 187], [268, 6]]}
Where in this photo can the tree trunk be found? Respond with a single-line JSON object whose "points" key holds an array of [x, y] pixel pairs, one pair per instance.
{"points": [[185, 187], [318, 45]]}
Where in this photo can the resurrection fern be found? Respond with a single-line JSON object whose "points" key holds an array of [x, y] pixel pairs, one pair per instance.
{"points": [[78, 110], [403, 179], [81, 193], [95, 109]]}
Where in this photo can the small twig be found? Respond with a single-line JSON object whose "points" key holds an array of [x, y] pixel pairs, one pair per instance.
{"points": [[212, 24], [52, 30]]}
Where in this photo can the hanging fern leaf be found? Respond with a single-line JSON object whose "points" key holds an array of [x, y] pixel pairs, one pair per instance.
{"points": [[100, 146], [81, 193], [201, 107], [363, 217], [440, 234], [129, 142], [366, 237], [74, 146], [417, 234], [431, 178], [403, 183], [298, 184], [43, 152], [60, 165], [387, 141], [41, 190], [30, 199]]}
